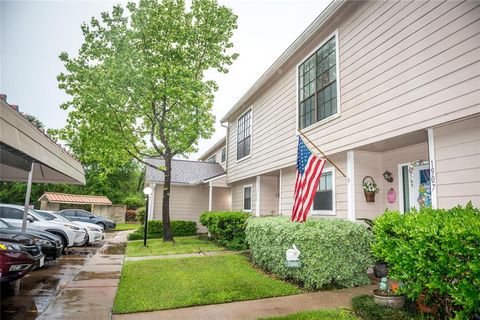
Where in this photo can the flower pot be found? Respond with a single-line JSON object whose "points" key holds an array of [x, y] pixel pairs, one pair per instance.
{"points": [[369, 196], [392, 301], [380, 270]]}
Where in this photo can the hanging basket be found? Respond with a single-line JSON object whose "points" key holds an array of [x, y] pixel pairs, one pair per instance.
{"points": [[369, 195]]}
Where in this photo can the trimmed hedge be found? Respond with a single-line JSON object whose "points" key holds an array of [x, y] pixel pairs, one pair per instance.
{"points": [[227, 228], [364, 307], [180, 228], [333, 252], [436, 252]]}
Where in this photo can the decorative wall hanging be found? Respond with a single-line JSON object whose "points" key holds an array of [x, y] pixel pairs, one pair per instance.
{"points": [[391, 196], [387, 175], [369, 188]]}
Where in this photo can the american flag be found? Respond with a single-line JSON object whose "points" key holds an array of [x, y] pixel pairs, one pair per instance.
{"points": [[309, 170]]}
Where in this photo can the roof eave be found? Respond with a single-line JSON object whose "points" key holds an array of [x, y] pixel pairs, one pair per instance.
{"points": [[306, 35], [215, 146]]}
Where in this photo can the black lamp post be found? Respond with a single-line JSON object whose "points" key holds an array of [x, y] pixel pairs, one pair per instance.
{"points": [[147, 191]]}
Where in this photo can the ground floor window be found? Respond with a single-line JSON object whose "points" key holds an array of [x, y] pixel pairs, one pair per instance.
{"points": [[324, 202], [247, 198]]}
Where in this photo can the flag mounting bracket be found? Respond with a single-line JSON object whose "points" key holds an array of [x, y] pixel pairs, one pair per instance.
{"points": [[323, 154]]}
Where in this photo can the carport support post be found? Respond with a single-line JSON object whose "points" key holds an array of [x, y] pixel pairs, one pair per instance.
{"points": [[27, 197]]}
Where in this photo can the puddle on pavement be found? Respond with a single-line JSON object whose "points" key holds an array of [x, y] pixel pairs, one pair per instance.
{"points": [[117, 248], [86, 275], [26, 298]]}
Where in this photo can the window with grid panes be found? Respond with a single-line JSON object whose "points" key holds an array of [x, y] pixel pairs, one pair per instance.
{"points": [[244, 141], [224, 154], [317, 80], [212, 158], [247, 198], [323, 200]]}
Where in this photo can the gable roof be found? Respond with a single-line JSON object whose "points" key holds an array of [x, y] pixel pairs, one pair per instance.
{"points": [[57, 197], [214, 148], [186, 172], [276, 68]]}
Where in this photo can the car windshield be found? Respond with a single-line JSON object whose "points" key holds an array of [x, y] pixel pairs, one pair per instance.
{"points": [[4, 225], [60, 217], [45, 215]]}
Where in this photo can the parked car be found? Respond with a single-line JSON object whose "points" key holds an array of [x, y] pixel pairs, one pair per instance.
{"points": [[14, 263], [50, 244], [70, 234], [85, 216], [19, 254], [94, 232]]}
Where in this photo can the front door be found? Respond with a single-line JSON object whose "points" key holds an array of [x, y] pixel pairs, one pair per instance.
{"points": [[416, 185]]}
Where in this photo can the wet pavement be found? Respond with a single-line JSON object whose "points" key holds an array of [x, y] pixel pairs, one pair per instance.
{"points": [[50, 292]]}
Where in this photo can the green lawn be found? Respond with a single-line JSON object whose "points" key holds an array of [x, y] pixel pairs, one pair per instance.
{"points": [[157, 247], [338, 314], [127, 226], [173, 283]]}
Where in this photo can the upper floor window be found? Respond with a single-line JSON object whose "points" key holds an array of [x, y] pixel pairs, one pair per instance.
{"points": [[224, 154], [317, 85], [244, 135], [212, 158]]}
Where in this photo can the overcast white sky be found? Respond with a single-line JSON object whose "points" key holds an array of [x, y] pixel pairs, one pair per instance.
{"points": [[33, 33]]}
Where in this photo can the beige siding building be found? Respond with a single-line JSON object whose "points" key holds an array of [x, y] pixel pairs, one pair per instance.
{"points": [[390, 91], [378, 86]]}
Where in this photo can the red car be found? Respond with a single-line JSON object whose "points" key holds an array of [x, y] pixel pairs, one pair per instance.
{"points": [[18, 255]]}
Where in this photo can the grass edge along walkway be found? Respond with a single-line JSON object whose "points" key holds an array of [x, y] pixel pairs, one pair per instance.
{"points": [[150, 285], [182, 245]]}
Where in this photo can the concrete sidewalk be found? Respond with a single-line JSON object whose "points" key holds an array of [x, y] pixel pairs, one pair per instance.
{"points": [[91, 293], [254, 309]]}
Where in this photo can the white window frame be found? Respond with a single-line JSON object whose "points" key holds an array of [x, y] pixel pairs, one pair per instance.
{"points": [[251, 197], [214, 157], [297, 104], [251, 136], [222, 151], [332, 212]]}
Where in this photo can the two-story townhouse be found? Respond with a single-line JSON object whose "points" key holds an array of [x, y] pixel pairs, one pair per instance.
{"points": [[217, 153], [378, 86]]}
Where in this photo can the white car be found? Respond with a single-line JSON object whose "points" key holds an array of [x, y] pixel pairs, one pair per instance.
{"points": [[70, 234], [95, 233]]}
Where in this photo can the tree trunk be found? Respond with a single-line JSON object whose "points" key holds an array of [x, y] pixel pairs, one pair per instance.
{"points": [[167, 229]]}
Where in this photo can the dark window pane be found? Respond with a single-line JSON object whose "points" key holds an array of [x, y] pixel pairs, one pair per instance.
{"points": [[323, 200], [11, 213], [247, 198]]}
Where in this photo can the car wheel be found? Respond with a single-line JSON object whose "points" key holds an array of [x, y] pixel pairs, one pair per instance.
{"points": [[64, 240], [101, 224], [85, 240]]}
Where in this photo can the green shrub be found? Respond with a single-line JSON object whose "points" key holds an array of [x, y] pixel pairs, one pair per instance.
{"points": [[436, 252], [180, 228], [333, 252], [364, 307], [227, 228]]}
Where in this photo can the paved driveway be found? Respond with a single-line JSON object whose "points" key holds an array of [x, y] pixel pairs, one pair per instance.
{"points": [[80, 285]]}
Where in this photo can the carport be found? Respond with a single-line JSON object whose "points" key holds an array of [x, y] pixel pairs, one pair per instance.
{"points": [[27, 154]]}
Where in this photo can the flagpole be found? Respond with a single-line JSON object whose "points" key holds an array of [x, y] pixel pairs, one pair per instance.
{"points": [[323, 154]]}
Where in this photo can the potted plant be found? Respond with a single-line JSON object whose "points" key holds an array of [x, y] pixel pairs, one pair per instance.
{"points": [[389, 295], [369, 188]]}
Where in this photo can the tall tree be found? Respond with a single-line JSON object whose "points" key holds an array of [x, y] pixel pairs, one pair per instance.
{"points": [[138, 87]]}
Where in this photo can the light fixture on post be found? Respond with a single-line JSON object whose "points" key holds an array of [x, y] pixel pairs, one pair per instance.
{"points": [[147, 192]]}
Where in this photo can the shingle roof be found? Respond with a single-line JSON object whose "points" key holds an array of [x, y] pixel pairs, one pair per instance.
{"points": [[75, 198], [184, 171]]}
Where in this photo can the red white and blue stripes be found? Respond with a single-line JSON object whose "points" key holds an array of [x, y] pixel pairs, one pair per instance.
{"points": [[309, 171]]}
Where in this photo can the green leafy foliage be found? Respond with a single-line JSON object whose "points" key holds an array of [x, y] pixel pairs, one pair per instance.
{"points": [[157, 247], [227, 228], [334, 252], [436, 252], [364, 307], [138, 86], [180, 228], [141, 215], [340, 314]]}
